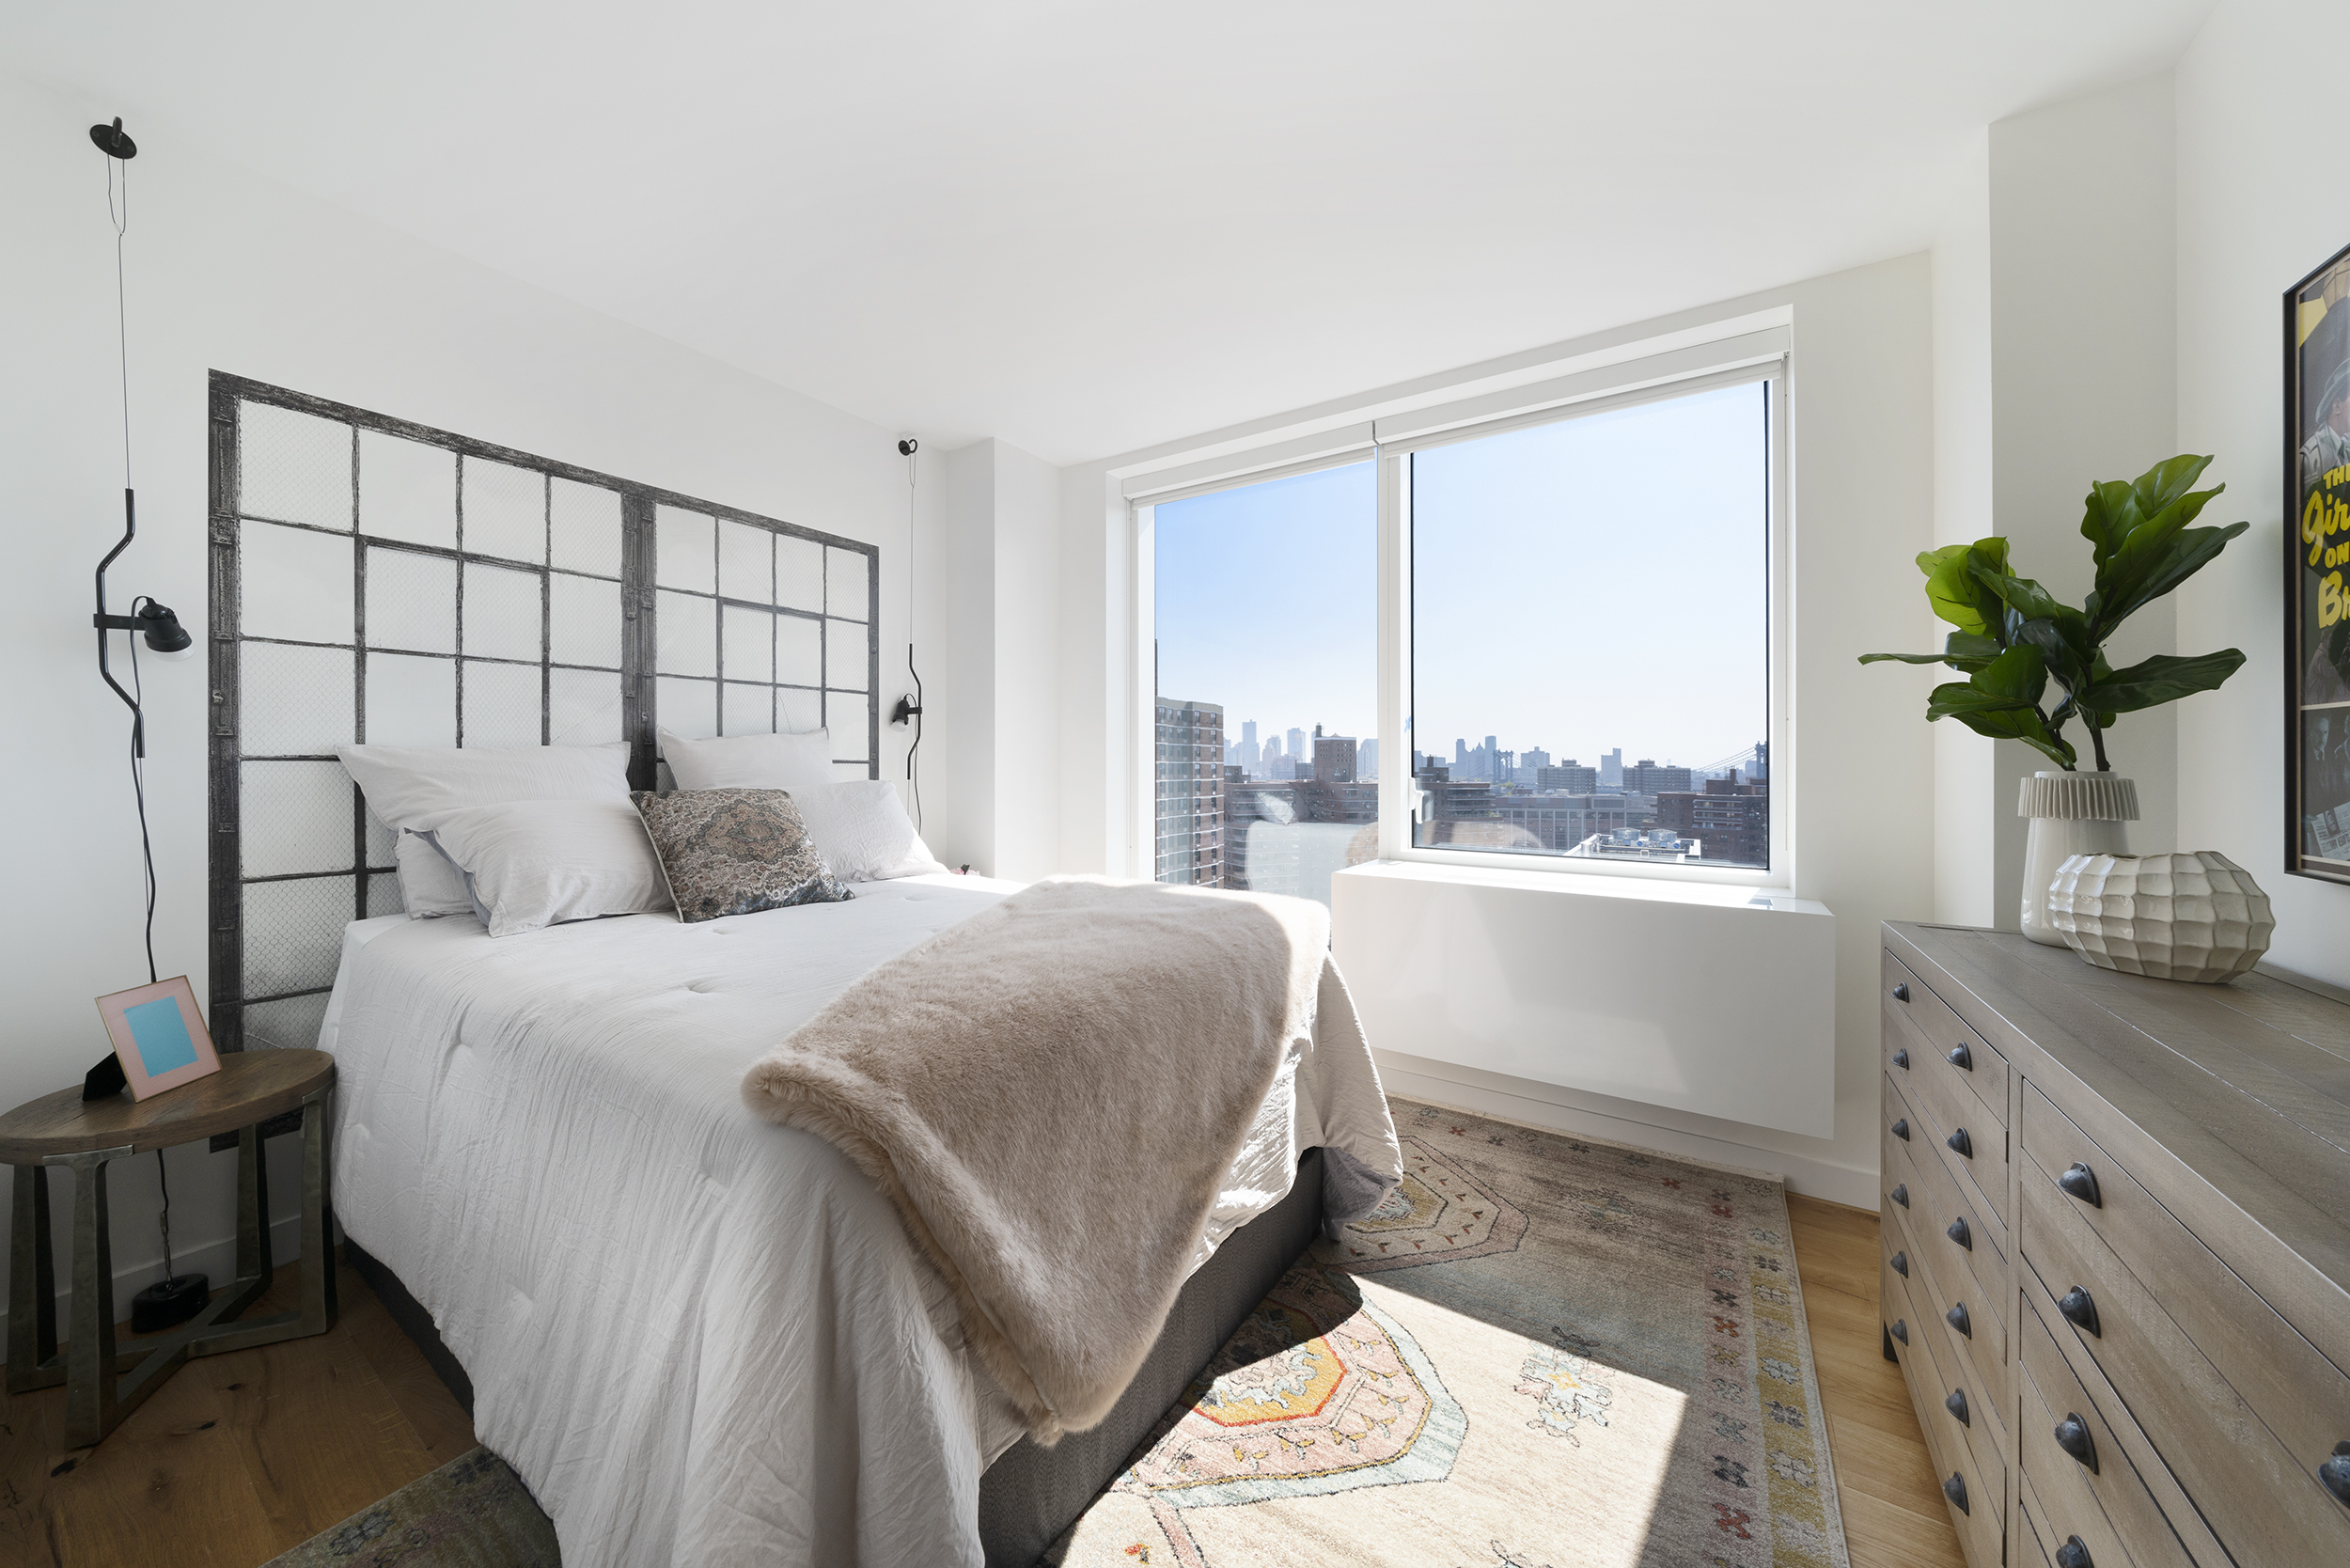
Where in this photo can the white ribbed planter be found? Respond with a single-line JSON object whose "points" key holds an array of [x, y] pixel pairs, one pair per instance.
{"points": [[2071, 813], [2195, 915]]}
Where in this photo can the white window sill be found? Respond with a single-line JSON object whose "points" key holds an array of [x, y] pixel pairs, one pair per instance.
{"points": [[1576, 885]]}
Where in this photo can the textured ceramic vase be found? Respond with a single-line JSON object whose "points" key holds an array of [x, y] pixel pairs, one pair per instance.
{"points": [[2194, 916], [2071, 813]]}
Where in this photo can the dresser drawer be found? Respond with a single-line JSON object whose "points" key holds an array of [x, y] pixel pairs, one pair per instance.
{"points": [[2261, 1503], [1948, 1276], [1965, 1410], [1962, 1132], [1977, 1501], [1979, 1068], [2301, 1397], [2109, 1506]]}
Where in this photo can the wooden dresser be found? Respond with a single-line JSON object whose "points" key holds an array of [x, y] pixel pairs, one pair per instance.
{"points": [[2116, 1264]]}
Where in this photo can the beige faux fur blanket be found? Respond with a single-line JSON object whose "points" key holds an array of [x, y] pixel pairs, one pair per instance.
{"points": [[1052, 1093]]}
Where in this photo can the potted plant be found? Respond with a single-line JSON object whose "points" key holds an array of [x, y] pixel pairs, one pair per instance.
{"points": [[2014, 641]]}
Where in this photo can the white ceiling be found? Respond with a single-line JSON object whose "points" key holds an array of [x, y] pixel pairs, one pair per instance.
{"points": [[1088, 227]]}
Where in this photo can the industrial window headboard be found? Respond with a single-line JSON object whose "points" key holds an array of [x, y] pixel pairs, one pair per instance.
{"points": [[374, 580]]}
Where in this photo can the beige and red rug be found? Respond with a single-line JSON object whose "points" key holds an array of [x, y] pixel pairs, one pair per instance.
{"points": [[1542, 1352]]}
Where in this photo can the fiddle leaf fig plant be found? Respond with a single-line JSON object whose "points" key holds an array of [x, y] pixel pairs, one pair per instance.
{"points": [[2014, 639]]}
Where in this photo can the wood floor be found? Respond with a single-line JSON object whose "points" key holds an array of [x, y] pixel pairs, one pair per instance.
{"points": [[1894, 1516], [236, 1458], [239, 1457]]}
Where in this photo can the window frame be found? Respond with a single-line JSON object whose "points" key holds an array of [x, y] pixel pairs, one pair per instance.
{"points": [[1738, 358]]}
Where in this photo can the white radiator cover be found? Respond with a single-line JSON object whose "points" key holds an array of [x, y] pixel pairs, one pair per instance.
{"points": [[1714, 1000]]}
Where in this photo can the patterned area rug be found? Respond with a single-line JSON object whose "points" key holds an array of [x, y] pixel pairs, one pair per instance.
{"points": [[1542, 1352], [470, 1512]]}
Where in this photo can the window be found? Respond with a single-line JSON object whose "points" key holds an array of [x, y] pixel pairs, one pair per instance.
{"points": [[1591, 642], [1265, 757]]}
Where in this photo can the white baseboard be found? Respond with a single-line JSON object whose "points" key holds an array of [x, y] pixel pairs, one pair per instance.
{"points": [[1565, 1110], [217, 1259]]}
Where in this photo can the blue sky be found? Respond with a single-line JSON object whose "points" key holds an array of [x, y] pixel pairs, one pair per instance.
{"points": [[1579, 586]]}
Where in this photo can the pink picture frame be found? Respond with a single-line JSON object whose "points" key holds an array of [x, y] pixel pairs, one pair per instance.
{"points": [[159, 1036]]}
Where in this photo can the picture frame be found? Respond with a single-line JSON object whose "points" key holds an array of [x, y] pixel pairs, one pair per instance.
{"points": [[159, 1036], [2316, 497]]}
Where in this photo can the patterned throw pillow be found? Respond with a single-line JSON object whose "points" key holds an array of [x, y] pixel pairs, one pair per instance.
{"points": [[735, 852]]}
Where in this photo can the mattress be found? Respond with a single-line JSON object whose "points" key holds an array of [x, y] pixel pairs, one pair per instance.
{"points": [[698, 1337]]}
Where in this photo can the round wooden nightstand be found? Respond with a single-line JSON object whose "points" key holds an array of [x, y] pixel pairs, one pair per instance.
{"points": [[86, 1136]]}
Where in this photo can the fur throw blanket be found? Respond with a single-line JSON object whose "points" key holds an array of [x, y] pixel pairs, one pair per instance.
{"points": [[1051, 1092]]}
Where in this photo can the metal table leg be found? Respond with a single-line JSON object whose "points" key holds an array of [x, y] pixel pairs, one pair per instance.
{"points": [[33, 1360], [90, 1386]]}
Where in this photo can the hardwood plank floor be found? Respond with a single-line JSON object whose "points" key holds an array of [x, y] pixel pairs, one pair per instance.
{"points": [[239, 1457], [236, 1458], [1894, 1516]]}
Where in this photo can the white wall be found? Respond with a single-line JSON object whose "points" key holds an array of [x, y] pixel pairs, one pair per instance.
{"points": [[1965, 774], [2264, 197], [1000, 690], [229, 272], [2083, 388], [1861, 407]]}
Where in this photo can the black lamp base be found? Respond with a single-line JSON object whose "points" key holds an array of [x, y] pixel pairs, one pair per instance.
{"points": [[170, 1303]]}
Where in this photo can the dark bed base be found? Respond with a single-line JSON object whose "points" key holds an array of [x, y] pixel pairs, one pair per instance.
{"points": [[1031, 1493]]}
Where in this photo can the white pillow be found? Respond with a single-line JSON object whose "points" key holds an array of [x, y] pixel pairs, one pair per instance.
{"points": [[535, 863], [403, 784], [430, 885], [750, 761], [861, 828]]}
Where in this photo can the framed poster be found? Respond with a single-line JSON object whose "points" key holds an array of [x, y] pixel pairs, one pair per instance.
{"points": [[2317, 565]]}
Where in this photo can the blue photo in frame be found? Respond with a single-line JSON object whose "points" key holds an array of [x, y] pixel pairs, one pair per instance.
{"points": [[159, 1036]]}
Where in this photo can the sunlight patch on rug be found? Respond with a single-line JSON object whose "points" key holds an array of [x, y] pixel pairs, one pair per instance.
{"points": [[1540, 1351]]}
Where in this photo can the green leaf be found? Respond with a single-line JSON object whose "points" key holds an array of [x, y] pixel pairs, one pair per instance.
{"points": [[1955, 596], [2142, 579], [1904, 658], [2109, 514], [1968, 645], [2020, 594], [2164, 678], [2167, 482], [2019, 675], [2020, 723]]}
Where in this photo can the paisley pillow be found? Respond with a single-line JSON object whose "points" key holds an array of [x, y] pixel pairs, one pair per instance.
{"points": [[735, 852]]}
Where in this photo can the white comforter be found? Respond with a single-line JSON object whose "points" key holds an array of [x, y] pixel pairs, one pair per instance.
{"points": [[701, 1338]]}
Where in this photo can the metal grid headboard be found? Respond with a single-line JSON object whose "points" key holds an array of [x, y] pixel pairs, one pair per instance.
{"points": [[374, 580]]}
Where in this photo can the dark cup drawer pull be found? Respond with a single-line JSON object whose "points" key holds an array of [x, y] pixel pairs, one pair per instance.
{"points": [[1901, 1128], [1956, 1406], [2072, 1554], [1900, 992], [1900, 1195], [2072, 1435], [1901, 1329], [1900, 1058], [2080, 1311], [1958, 1319], [1960, 1057], [1958, 1232], [2335, 1473], [1901, 1264], [1961, 1143], [1955, 1489], [2080, 1181]]}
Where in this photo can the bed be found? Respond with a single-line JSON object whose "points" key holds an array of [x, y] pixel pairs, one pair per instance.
{"points": [[700, 1338]]}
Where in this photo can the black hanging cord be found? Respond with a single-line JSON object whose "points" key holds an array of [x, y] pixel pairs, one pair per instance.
{"points": [[119, 152], [914, 775], [138, 792]]}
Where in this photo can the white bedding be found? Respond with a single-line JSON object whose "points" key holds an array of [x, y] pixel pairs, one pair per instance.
{"points": [[700, 1338]]}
